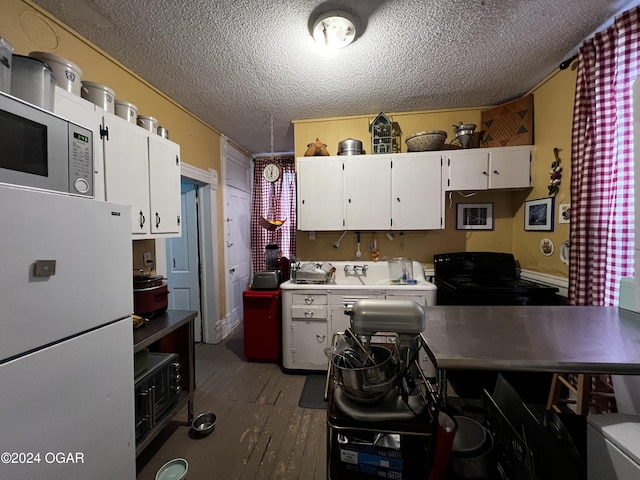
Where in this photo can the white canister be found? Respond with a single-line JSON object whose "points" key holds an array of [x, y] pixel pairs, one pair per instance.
{"points": [[68, 74], [126, 110], [163, 132], [6, 52], [148, 123], [100, 95], [32, 81]]}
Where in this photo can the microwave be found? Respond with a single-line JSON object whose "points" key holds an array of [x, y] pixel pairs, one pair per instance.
{"points": [[43, 151], [156, 390]]}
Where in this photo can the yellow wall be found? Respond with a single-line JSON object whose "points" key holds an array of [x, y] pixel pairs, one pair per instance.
{"points": [[553, 119], [553, 104], [29, 28]]}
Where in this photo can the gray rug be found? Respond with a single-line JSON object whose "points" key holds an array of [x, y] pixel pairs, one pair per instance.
{"points": [[312, 395]]}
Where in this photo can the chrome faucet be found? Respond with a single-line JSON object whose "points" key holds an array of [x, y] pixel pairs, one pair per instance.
{"points": [[363, 269]]}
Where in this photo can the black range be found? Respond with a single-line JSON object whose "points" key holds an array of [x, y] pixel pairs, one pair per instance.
{"points": [[486, 278]]}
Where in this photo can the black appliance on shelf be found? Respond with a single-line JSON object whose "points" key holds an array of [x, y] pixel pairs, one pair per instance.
{"points": [[156, 390], [487, 278], [491, 278]]}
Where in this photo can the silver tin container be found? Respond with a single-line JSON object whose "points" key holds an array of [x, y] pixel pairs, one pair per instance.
{"points": [[32, 81]]}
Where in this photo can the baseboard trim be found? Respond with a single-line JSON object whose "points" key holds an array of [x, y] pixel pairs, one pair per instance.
{"points": [[551, 280]]}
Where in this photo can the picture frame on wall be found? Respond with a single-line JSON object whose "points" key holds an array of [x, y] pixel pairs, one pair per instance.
{"points": [[474, 216], [538, 215]]}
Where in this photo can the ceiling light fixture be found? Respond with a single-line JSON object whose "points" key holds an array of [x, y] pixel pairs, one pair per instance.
{"points": [[334, 29]]}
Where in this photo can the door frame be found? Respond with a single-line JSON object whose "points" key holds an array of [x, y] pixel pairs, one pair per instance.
{"points": [[207, 182]]}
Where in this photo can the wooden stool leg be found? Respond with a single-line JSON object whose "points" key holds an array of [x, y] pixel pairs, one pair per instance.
{"points": [[582, 394], [554, 393]]}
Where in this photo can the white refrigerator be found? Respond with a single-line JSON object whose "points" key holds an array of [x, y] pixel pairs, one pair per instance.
{"points": [[66, 346]]}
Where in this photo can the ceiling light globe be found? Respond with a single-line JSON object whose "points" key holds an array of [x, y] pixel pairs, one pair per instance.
{"points": [[334, 29]]}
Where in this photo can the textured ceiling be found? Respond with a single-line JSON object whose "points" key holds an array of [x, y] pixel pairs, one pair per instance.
{"points": [[234, 63]]}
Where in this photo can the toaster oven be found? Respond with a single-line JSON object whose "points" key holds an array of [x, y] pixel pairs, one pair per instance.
{"points": [[156, 390]]}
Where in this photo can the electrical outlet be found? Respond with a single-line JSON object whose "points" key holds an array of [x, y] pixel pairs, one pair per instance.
{"points": [[312, 235], [146, 257]]}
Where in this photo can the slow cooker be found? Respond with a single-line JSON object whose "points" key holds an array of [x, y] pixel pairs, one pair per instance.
{"points": [[150, 295]]}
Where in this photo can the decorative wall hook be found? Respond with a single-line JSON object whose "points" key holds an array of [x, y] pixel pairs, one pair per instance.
{"points": [[555, 173]]}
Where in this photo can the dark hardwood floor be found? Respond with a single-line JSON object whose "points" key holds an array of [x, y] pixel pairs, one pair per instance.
{"points": [[261, 433]]}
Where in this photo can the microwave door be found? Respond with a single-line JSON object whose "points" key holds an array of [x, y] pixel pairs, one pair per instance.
{"points": [[34, 148]]}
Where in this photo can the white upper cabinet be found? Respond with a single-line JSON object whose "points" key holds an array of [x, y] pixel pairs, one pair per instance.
{"points": [[416, 194], [132, 166], [368, 190], [320, 193], [488, 168], [127, 171], [164, 185]]}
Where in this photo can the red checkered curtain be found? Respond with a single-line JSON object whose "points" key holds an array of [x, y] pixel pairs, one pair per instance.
{"points": [[602, 210], [273, 199]]}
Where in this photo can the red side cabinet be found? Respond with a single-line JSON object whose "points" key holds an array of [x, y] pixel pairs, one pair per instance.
{"points": [[262, 325]]}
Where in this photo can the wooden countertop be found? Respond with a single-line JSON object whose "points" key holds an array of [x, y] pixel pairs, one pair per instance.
{"points": [[535, 338]]}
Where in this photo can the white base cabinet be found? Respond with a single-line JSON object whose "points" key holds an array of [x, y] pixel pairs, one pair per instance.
{"points": [[305, 333], [132, 166], [310, 318]]}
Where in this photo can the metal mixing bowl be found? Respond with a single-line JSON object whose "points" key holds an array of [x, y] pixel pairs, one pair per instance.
{"points": [[204, 423]]}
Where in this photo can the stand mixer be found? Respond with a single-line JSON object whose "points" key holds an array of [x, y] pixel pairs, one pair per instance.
{"points": [[403, 412], [402, 317]]}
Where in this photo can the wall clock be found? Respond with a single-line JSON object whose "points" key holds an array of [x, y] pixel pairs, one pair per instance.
{"points": [[272, 172]]}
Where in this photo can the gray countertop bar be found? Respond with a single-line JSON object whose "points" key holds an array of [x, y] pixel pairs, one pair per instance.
{"points": [[535, 338]]}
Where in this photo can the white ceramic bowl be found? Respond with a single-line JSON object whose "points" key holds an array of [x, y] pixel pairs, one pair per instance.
{"points": [[175, 469]]}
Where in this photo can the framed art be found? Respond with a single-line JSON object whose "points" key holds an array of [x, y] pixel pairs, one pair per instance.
{"points": [[538, 215], [474, 216]]}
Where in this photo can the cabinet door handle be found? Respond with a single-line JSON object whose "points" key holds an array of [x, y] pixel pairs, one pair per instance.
{"points": [[232, 270], [157, 220], [308, 300], [496, 172], [398, 199], [142, 219], [485, 173], [320, 338], [308, 314], [229, 244]]}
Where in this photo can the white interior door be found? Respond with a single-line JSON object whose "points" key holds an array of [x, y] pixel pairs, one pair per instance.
{"points": [[183, 272], [238, 252], [237, 231]]}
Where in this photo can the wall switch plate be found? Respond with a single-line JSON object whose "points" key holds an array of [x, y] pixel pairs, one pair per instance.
{"points": [[146, 257]]}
